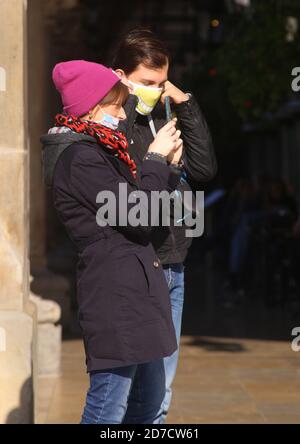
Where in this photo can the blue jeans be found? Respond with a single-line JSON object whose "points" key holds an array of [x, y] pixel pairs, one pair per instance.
{"points": [[175, 278], [125, 395]]}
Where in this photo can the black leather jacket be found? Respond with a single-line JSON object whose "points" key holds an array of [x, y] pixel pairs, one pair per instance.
{"points": [[199, 158]]}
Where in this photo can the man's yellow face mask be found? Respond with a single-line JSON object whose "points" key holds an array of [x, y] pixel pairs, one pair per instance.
{"points": [[148, 97]]}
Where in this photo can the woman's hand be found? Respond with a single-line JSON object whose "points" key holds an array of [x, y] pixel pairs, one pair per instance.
{"points": [[167, 139]]}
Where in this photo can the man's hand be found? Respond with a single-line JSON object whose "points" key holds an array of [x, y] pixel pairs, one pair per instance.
{"points": [[176, 95]]}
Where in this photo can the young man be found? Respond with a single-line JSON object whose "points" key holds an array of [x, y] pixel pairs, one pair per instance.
{"points": [[142, 61]]}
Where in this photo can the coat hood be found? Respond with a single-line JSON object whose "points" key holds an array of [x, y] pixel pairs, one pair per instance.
{"points": [[53, 147]]}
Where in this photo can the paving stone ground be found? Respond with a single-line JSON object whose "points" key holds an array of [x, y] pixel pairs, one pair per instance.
{"points": [[215, 383]]}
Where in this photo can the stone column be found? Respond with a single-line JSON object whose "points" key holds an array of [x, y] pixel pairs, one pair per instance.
{"points": [[17, 314], [37, 124], [45, 285]]}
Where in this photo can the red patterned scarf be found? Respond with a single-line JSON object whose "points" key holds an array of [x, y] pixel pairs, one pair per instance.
{"points": [[114, 141]]}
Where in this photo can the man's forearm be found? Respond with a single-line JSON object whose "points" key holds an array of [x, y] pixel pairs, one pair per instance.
{"points": [[199, 155]]}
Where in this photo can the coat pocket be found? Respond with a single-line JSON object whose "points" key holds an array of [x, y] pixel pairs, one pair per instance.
{"points": [[143, 269], [130, 274], [130, 291], [156, 281]]}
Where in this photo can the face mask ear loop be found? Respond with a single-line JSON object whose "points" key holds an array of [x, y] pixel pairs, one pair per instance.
{"points": [[100, 107], [152, 126], [138, 85]]}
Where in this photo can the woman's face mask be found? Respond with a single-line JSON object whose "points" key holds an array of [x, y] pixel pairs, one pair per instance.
{"points": [[108, 120], [148, 97]]}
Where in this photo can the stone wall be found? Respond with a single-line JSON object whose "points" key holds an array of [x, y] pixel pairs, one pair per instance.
{"points": [[17, 315]]}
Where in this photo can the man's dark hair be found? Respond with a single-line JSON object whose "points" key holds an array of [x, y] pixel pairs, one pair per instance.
{"points": [[140, 46]]}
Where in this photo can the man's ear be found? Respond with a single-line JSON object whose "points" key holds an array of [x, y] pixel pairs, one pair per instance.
{"points": [[121, 74]]}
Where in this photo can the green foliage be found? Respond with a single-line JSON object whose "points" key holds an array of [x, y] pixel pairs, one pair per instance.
{"points": [[256, 60]]}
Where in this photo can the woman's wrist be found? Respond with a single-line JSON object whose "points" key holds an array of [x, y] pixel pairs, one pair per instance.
{"points": [[178, 162], [152, 155], [178, 166]]}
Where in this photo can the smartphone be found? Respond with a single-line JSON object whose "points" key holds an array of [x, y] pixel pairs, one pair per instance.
{"points": [[168, 109]]}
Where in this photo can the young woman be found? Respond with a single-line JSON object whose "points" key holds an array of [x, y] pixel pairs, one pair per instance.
{"points": [[124, 307]]}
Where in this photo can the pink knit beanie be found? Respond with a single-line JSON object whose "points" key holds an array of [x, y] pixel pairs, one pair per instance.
{"points": [[82, 84]]}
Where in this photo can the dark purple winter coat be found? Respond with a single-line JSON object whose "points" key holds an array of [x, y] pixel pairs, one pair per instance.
{"points": [[124, 302]]}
